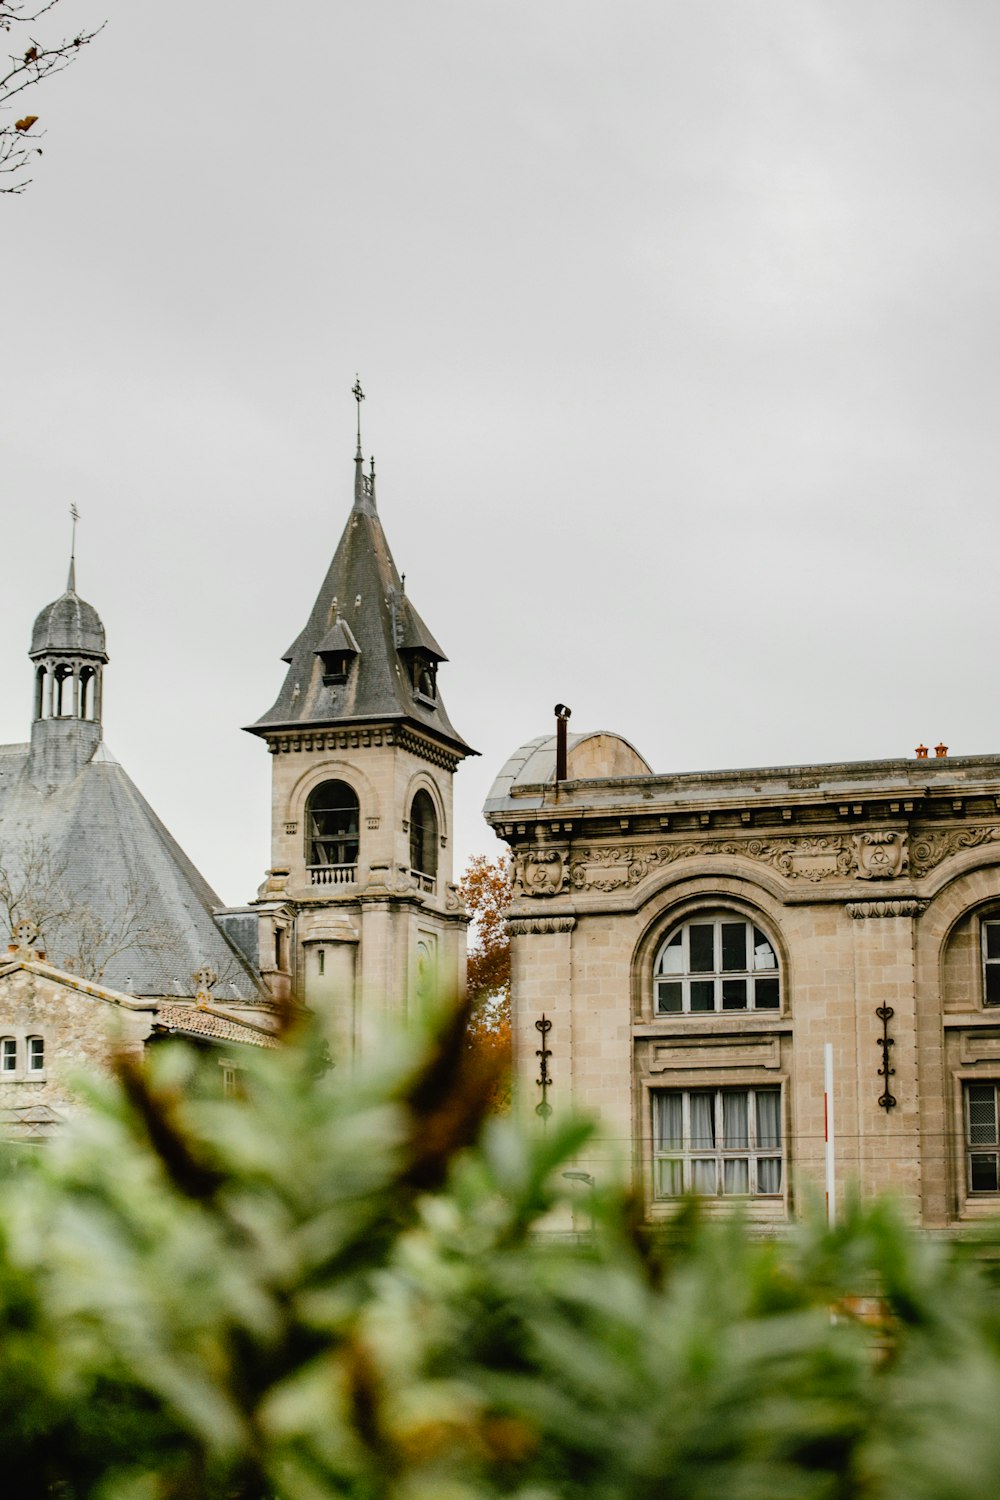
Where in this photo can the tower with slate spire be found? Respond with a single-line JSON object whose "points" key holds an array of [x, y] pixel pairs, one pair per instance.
{"points": [[69, 653], [358, 913]]}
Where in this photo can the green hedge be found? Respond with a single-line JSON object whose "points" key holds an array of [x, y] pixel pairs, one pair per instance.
{"points": [[335, 1287]]}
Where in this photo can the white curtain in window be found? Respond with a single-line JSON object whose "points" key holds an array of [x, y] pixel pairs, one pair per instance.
{"points": [[735, 1122], [768, 1120], [671, 1179], [769, 1174], [670, 1122], [703, 1122], [736, 1175], [704, 1177]]}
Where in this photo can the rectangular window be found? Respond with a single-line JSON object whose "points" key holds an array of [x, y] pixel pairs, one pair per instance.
{"points": [[982, 1145], [991, 963], [8, 1055], [36, 1054], [718, 1142]]}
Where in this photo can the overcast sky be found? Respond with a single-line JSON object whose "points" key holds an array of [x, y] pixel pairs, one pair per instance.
{"points": [[679, 325]]}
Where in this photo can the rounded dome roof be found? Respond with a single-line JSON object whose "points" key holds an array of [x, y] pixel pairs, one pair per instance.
{"points": [[68, 624]]}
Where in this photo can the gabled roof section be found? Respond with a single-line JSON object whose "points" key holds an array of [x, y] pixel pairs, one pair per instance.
{"points": [[362, 599]]}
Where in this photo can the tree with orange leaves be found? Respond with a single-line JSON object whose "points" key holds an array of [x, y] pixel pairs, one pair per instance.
{"points": [[486, 890]]}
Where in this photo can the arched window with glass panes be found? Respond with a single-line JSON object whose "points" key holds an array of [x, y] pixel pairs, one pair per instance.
{"points": [[716, 961]]}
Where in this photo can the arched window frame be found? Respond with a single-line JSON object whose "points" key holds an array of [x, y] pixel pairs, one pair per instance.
{"points": [[332, 830], [425, 834], [703, 966]]}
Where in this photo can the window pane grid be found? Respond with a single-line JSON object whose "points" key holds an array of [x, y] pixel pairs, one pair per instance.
{"points": [[991, 963], [723, 964], [982, 1167], [717, 1142]]}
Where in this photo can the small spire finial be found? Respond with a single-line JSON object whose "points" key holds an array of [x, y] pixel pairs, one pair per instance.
{"points": [[71, 580], [359, 396]]}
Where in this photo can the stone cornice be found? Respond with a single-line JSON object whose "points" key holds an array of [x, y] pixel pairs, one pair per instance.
{"points": [[294, 740]]}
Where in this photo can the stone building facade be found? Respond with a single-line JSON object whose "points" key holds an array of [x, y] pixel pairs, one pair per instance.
{"points": [[54, 1026], [685, 947]]}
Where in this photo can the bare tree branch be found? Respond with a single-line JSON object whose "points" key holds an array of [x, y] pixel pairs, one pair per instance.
{"points": [[82, 936], [38, 61]]}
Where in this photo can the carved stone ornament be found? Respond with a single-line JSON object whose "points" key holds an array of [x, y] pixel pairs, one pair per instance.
{"points": [[522, 926], [880, 855], [26, 934], [862, 909], [931, 848], [541, 872], [205, 980], [813, 859]]}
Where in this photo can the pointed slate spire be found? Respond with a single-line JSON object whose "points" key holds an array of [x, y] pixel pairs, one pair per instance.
{"points": [[365, 654]]}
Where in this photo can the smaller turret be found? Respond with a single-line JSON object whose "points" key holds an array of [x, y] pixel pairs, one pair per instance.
{"points": [[69, 652]]}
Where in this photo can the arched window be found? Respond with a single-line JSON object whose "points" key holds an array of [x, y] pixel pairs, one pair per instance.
{"points": [[36, 1054], [716, 961], [63, 707], [40, 693], [423, 835], [332, 820], [87, 693], [8, 1054]]}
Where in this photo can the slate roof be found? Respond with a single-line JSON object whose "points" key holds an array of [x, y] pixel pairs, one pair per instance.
{"points": [[363, 591], [109, 851], [69, 624]]}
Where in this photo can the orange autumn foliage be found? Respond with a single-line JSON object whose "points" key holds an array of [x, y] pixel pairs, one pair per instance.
{"points": [[486, 891]]}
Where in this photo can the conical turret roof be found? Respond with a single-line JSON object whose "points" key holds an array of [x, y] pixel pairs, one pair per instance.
{"points": [[362, 600]]}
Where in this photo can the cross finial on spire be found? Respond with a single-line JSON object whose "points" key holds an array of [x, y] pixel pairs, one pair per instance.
{"points": [[359, 396], [71, 580]]}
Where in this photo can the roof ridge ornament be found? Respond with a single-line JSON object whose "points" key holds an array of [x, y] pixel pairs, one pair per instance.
{"points": [[71, 580]]}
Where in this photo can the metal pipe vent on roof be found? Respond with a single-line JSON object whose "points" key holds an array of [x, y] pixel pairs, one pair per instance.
{"points": [[562, 714]]}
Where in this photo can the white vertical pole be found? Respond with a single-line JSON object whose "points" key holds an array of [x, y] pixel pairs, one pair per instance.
{"points": [[831, 1181]]}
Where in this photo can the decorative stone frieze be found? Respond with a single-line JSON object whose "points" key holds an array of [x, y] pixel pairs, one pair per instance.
{"points": [[929, 849], [862, 909], [522, 926], [814, 859], [879, 854]]}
